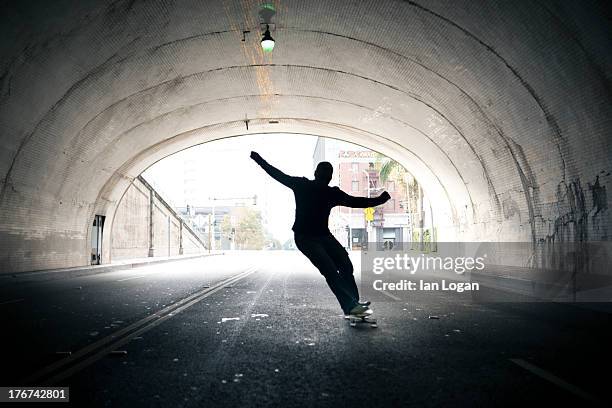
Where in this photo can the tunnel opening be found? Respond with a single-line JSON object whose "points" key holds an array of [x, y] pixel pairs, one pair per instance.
{"points": [[207, 212]]}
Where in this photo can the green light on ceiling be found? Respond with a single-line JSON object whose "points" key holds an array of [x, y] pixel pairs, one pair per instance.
{"points": [[267, 45], [267, 42]]}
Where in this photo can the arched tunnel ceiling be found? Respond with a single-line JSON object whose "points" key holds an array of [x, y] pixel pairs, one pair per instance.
{"points": [[498, 109]]}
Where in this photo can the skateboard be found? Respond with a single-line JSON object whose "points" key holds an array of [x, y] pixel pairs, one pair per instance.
{"points": [[354, 320]]}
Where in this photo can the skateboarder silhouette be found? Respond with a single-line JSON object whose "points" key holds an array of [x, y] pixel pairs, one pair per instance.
{"points": [[314, 200]]}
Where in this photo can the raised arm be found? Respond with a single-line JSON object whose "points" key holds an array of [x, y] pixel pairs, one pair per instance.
{"points": [[361, 202], [275, 173]]}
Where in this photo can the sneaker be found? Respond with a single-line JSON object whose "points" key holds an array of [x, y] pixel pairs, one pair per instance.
{"points": [[360, 310], [366, 303]]}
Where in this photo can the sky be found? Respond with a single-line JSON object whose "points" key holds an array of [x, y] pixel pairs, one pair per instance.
{"points": [[224, 170]]}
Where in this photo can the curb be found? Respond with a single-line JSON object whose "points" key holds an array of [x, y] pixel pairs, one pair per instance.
{"points": [[78, 271]]}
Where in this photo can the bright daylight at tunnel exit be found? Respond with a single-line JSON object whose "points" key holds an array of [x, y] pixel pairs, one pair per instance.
{"points": [[294, 203]]}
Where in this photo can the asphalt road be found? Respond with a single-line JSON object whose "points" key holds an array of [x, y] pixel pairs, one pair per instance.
{"points": [[263, 329]]}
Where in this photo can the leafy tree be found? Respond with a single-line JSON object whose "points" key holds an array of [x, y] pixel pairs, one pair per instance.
{"points": [[390, 170], [246, 230]]}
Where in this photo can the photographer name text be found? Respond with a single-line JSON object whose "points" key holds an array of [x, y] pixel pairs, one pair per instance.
{"points": [[422, 285]]}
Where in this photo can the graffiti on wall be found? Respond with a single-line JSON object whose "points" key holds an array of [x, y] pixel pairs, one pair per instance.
{"points": [[581, 213]]}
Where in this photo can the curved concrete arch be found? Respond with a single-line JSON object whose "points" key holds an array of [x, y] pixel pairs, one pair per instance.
{"points": [[303, 100], [397, 132], [336, 101], [449, 223], [511, 121]]}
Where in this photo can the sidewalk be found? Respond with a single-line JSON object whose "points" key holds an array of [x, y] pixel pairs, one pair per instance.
{"points": [[63, 273]]}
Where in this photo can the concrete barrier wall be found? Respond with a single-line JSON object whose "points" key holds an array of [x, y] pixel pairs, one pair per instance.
{"points": [[131, 230], [130, 234]]}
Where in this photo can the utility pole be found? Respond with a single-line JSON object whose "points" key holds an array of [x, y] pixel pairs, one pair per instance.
{"points": [[151, 223], [350, 229], [368, 178], [369, 226], [209, 233], [181, 236], [214, 223]]}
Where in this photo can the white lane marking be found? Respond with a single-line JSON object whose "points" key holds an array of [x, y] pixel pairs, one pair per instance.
{"points": [[390, 295], [6, 302], [554, 379], [133, 277]]}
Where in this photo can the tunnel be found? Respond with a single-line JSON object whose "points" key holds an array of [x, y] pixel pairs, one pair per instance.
{"points": [[501, 110]]}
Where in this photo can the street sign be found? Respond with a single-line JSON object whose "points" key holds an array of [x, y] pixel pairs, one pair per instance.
{"points": [[369, 213]]}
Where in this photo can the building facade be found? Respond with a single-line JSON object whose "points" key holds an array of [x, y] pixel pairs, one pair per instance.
{"points": [[406, 217]]}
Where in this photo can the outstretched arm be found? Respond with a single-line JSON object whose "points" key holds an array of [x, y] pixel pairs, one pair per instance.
{"points": [[275, 173], [361, 202]]}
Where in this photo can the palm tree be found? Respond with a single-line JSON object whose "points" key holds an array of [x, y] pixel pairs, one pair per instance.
{"points": [[390, 170], [387, 167]]}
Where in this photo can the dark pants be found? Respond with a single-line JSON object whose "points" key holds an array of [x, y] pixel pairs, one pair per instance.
{"points": [[332, 260]]}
